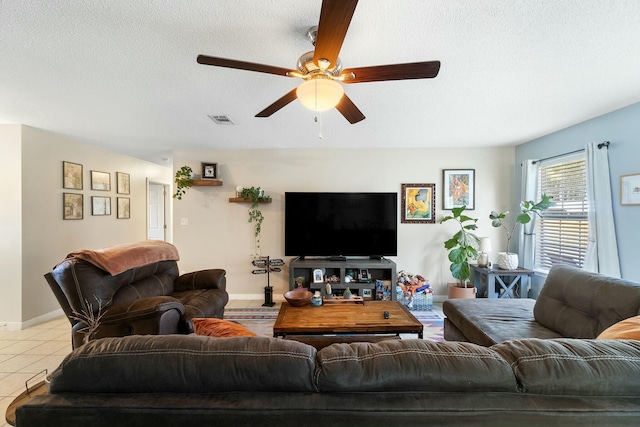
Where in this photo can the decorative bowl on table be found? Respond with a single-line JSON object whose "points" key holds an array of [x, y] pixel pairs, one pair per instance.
{"points": [[298, 297]]}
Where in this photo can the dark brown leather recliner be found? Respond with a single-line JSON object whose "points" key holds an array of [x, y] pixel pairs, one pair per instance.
{"points": [[151, 299]]}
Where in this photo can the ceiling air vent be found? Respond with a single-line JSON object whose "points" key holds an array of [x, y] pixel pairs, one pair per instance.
{"points": [[221, 120]]}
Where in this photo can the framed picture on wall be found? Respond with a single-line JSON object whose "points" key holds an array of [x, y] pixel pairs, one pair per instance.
{"points": [[100, 181], [458, 188], [209, 170], [71, 175], [630, 189], [73, 206], [124, 208], [100, 205], [124, 184], [418, 204]]}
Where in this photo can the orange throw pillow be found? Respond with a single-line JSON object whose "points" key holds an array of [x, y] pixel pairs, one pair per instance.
{"points": [[627, 329], [212, 327]]}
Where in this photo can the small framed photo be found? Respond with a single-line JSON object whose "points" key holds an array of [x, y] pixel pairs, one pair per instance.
{"points": [[71, 175], [458, 188], [418, 204], [73, 206], [630, 189], [100, 205], [124, 182], [209, 170], [124, 208], [318, 276], [366, 293], [100, 181]]}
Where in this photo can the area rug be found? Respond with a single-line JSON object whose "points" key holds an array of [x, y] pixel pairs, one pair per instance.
{"points": [[261, 320]]}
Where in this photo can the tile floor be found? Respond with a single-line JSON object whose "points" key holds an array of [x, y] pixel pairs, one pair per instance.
{"points": [[26, 353]]}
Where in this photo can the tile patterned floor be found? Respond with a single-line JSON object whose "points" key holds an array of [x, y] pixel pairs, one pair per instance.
{"points": [[26, 353]]}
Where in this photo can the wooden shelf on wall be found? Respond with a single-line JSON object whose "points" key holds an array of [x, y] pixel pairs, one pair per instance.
{"points": [[206, 183], [242, 200]]}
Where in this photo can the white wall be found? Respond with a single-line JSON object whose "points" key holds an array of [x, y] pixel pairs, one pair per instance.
{"points": [[218, 234], [10, 222], [45, 237]]}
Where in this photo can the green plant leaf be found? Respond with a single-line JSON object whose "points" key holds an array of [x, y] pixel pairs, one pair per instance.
{"points": [[457, 211]]}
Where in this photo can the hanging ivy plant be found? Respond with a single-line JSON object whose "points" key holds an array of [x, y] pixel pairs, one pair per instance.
{"points": [[255, 195], [183, 180]]}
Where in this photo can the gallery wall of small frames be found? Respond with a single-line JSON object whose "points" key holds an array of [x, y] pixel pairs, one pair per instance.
{"points": [[99, 190]]}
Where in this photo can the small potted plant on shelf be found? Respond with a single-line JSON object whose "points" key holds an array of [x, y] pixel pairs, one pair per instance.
{"points": [[254, 195], [508, 260], [184, 180], [462, 246]]}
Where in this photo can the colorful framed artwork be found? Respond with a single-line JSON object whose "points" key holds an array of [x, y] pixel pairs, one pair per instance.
{"points": [[71, 175], [100, 205], [418, 204], [630, 189], [73, 206], [124, 208], [209, 170], [459, 188], [100, 181], [124, 182]]}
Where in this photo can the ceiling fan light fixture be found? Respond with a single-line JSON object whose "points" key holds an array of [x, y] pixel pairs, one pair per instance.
{"points": [[320, 94]]}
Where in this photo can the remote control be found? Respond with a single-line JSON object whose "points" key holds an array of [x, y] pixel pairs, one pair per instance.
{"points": [[386, 314]]}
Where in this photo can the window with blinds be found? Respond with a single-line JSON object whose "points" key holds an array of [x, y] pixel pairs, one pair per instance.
{"points": [[562, 231]]}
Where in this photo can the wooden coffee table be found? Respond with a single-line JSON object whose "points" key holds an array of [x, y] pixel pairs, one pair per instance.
{"points": [[366, 319]]}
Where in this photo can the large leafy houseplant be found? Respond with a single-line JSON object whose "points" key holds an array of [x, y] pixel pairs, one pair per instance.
{"points": [[462, 246]]}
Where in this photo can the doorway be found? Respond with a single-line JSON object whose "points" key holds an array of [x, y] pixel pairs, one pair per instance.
{"points": [[157, 211]]}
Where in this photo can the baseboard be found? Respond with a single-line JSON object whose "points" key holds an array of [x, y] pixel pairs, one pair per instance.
{"points": [[17, 326], [253, 297]]}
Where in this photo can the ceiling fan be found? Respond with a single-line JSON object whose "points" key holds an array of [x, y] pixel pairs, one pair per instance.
{"points": [[322, 70]]}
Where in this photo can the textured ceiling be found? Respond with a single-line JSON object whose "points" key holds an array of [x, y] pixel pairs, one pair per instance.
{"points": [[123, 74]]}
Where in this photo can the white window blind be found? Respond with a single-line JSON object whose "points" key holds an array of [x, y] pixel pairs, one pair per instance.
{"points": [[563, 230]]}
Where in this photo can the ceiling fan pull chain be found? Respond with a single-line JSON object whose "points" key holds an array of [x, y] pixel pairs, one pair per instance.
{"points": [[319, 121]]}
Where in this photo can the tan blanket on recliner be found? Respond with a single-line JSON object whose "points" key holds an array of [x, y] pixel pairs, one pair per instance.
{"points": [[120, 258]]}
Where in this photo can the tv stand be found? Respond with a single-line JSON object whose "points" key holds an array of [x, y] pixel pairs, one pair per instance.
{"points": [[379, 269]]}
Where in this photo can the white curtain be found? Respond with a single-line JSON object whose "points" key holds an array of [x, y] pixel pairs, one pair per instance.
{"points": [[602, 249], [527, 241]]}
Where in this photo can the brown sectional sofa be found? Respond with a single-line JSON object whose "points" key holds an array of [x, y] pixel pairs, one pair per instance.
{"points": [[175, 380], [178, 380], [572, 304]]}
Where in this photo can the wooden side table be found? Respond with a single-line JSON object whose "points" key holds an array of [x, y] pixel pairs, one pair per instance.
{"points": [[509, 281], [24, 397]]}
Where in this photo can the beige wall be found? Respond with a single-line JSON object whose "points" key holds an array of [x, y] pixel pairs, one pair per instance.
{"points": [[11, 222], [218, 234], [45, 237]]}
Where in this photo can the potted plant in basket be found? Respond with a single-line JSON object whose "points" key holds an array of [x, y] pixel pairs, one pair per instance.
{"points": [[508, 260], [462, 246]]}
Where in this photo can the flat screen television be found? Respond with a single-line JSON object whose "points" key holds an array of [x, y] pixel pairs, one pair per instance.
{"points": [[341, 224]]}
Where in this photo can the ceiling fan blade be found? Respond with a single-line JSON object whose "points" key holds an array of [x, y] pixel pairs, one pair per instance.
{"points": [[414, 70], [280, 103], [335, 18], [242, 65], [349, 110]]}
